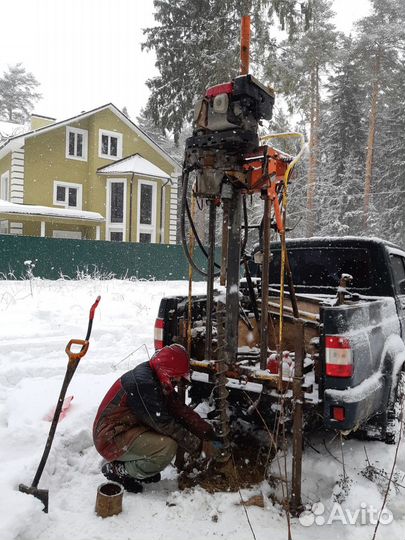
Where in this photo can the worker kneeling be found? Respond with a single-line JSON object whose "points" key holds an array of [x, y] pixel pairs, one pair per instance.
{"points": [[142, 419]]}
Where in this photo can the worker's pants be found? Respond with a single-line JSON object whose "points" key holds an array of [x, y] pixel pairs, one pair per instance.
{"points": [[149, 454]]}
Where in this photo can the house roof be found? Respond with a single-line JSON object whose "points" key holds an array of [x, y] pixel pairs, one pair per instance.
{"points": [[17, 141], [21, 210], [135, 164]]}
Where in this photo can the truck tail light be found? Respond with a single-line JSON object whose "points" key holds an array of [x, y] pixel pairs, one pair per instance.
{"points": [[338, 414], [159, 327], [338, 356]]}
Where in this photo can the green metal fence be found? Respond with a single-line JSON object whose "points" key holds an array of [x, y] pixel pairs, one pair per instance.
{"points": [[52, 258]]}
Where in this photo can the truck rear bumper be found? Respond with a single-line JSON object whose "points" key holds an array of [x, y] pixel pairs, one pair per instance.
{"points": [[356, 404]]}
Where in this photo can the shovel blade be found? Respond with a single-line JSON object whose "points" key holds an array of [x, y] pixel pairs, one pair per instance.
{"points": [[41, 494]]}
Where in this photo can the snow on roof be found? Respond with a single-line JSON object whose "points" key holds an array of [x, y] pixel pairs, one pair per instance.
{"points": [[349, 238], [135, 164], [11, 129], [48, 211]]}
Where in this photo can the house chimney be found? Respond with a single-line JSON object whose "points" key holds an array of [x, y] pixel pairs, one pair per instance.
{"points": [[38, 121]]}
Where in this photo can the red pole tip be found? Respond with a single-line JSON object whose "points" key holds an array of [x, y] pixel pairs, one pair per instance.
{"points": [[93, 307]]}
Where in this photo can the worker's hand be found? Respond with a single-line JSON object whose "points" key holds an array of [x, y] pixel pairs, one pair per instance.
{"points": [[212, 449]]}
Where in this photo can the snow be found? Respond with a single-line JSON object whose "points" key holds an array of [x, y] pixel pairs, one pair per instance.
{"points": [[11, 129], [37, 319], [30, 209], [134, 164], [360, 392]]}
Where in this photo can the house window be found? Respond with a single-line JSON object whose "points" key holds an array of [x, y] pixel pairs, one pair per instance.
{"points": [[76, 143], [117, 202], [146, 211], [67, 195], [116, 236], [116, 209], [5, 186], [3, 227], [110, 144]]}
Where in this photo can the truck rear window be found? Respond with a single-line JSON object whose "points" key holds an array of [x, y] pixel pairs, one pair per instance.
{"points": [[323, 267]]}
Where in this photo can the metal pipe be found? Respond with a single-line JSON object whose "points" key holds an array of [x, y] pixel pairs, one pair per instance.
{"points": [[245, 45], [210, 279], [265, 283], [233, 278], [298, 398], [225, 237]]}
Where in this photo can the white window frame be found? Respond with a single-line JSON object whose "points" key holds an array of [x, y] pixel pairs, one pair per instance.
{"points": [[5, 181], [67, 185], [141, 227], [162, 213], [77, 131], [115, 227], [115, 134]]}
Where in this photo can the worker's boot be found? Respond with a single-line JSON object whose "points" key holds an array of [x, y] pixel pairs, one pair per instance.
{"points": [[151, 479], [116, 472]]}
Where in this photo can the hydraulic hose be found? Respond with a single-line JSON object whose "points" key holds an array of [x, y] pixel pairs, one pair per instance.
{"points": [[183, 210], [192, 225]]}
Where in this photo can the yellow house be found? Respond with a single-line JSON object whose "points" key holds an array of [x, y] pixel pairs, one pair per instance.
{"points": [[94, 176]]}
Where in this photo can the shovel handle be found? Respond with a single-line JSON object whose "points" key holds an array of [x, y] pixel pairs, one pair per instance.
{"points": [[77, 355]]}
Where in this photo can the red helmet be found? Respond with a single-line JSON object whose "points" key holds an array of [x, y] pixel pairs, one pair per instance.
{"points": [[170, 362]]}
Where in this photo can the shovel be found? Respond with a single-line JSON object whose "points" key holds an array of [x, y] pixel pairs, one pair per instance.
{"points": [[74, 359]]}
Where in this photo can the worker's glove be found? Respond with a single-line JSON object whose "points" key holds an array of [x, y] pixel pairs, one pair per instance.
{"points": [[212, 449]]}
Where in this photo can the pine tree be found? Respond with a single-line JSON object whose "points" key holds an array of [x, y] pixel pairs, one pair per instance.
{"points": [[342, 143], [381, 37], [387, 198], [146, 123], [197, 45], [298, 71], [17, 93]]}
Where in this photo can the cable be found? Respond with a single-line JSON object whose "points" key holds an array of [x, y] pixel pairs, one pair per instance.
{"points": [[183, 210], [192, 225]]}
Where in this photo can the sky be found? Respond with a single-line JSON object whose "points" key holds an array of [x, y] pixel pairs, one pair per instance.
{"points": [[86, 53]]}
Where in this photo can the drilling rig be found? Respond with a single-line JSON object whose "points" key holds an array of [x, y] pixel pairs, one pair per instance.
{"points": [[228, 162]]}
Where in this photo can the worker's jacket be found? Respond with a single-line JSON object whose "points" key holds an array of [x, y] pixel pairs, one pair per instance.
{"points": [[135, 404]]}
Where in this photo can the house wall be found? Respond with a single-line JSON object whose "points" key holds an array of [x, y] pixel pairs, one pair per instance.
{"points": [[34, 229], [45, 162], [5, 164], [132, 143]]}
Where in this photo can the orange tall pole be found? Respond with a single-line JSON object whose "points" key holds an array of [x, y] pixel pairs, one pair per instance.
{"points": [[245, 45]]}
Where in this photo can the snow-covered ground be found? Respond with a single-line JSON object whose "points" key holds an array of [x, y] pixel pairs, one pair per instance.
{"points": [[37, 319]]}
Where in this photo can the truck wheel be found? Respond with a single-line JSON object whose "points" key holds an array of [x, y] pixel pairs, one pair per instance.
{"points": [[393, 414]]}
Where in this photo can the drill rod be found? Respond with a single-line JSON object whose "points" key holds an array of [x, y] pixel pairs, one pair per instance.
{"points": [[210, 280], [265, 284]]}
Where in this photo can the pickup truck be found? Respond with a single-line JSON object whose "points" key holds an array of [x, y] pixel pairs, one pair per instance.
{"points": [[354, 348]]}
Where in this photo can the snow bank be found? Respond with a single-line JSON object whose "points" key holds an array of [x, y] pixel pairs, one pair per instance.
{"points": [[34, 330]]}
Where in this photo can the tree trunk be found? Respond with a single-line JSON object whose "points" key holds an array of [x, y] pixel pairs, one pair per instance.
{"points": [[313, 148], [371, 140]]}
